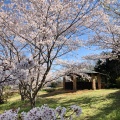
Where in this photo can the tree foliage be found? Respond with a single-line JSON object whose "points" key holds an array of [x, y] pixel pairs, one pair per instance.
{"points": [[107, 33], [111, 68]]}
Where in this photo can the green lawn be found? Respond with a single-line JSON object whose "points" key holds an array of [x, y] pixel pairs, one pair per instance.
{"points": [[96, 105]]}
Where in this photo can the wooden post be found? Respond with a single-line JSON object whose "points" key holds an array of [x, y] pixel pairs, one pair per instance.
{"points": [[64, 80], [93, 82], [99, 81], [74, 82]]}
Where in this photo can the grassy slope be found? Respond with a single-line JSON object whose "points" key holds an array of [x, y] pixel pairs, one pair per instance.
{"points": [[96, 105]]}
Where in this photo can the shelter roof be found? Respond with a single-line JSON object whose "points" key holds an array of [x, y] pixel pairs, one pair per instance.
{"points": [[85, 71]]}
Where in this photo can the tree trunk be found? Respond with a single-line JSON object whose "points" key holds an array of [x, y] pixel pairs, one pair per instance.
{"points": [[22, 92], [32, 102], [1, 96], [1, 100], [22, 97]]}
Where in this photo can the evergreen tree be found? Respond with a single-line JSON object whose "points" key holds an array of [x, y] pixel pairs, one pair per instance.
{"points": [[111, 68]]}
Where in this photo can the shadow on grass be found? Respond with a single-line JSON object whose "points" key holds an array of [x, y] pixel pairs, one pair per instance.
{"points": [[103, 107], [82, 101], [109, 111], [25, 105], [14, 105], [58, 92], [95, 107]]}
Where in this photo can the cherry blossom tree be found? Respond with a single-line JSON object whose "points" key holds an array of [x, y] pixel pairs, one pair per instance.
{"points": [[107, 33], [11, 53], [12, 73], [6, 67], [47, 30]]}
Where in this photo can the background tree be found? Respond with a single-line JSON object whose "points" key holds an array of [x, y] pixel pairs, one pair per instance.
{"points": [[106, 35], [111, 68]]}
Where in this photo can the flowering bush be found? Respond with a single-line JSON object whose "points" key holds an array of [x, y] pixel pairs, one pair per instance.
{"points": [[42, 113], [10, 115]]}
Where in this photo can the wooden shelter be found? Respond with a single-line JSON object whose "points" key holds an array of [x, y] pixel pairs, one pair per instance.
{"points": [[94, 83]]}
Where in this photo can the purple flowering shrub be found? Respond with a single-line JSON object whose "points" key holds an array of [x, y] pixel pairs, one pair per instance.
{"points": [[42, 113]]}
